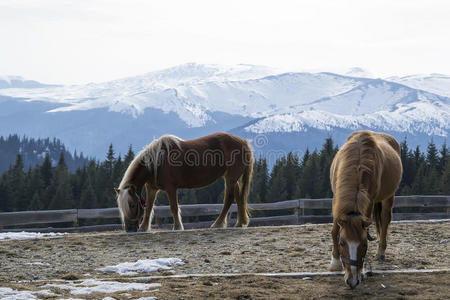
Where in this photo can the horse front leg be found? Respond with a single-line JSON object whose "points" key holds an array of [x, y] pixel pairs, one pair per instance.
{"points": [[173, 201], [335, 264], [386, 216], [148, 212]]}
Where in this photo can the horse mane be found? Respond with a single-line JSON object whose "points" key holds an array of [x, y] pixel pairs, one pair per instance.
{"points": [[359, 170]]}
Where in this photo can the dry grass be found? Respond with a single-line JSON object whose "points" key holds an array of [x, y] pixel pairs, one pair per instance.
{"points": [[251, 250]]}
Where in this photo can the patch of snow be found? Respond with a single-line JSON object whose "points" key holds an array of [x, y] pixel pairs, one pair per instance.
{"points": [[143, 266], [37, 263], [27, 235], [147, 298], [90, 286], [45, 293], [10, 294]]}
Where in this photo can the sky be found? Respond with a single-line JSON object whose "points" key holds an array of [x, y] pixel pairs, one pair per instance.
{"points": [[80, 41]]}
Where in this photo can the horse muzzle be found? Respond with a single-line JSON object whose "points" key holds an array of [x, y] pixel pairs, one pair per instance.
{"points": [[131, 226], [352, 283]]}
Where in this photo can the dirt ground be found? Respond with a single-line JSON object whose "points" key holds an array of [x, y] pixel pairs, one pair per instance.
{"points": [[252, 250]]}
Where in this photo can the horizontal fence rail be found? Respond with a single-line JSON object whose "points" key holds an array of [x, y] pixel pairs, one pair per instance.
{"points": [[301, 211]]}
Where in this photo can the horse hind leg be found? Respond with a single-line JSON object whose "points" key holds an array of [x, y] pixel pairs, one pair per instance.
{"points": [[174, 208], [385, 220], [221, 221], [242, 212]]}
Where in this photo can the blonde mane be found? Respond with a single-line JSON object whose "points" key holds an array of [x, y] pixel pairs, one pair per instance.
{"points": [[151, 155], [358, 175]]}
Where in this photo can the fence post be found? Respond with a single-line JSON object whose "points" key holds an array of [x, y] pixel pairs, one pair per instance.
{"points": [[301, 211], [76, 221]]}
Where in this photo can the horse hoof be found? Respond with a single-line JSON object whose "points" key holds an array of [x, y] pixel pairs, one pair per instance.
{"points": [[380, 257], [179, 227], [241, 225], [219, 225]]}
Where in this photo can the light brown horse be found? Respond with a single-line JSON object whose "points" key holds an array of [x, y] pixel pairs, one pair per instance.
{"points": [[364, 176], [170, 163]]}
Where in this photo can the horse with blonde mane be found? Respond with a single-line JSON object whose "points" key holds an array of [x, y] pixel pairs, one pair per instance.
{"points": [[170, 163], [364, 176]]}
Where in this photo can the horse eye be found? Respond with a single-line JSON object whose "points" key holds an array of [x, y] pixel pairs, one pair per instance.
{"points": [[341, 243]]}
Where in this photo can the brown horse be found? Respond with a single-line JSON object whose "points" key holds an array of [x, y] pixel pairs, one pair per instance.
{"points": [[170, 163], [364, 176]]}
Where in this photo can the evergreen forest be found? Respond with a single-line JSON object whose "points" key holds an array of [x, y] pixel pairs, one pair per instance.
{"points": [[53, 185]]}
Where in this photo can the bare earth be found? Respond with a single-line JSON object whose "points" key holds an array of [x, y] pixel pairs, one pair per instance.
{"points": [[252, 250]]}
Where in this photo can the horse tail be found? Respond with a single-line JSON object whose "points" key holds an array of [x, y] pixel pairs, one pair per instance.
{"points": [[377, 216], [247, 176]]}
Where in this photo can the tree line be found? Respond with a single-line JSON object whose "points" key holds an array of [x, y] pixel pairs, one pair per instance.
{"points": [[33, 152], [54, 186]]}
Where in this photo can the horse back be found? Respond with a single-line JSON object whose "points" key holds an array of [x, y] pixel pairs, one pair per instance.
{"points": [[392, 166], [202, 161]]}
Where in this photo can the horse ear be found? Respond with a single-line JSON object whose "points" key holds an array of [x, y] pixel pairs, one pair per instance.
{"points": [[117, 190], [365, 222]]}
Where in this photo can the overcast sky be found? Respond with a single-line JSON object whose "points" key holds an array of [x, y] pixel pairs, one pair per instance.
{"points": [[74, 41]]}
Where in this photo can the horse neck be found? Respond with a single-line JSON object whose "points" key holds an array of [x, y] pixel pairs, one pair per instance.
{"points": [[137, 175]]}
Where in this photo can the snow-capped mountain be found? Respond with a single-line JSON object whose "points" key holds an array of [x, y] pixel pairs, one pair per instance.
{"points": [[294, 110]]}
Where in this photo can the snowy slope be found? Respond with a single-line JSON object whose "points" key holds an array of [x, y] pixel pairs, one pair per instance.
{"points": [[434, 83], [376, 104], [192, 91]]}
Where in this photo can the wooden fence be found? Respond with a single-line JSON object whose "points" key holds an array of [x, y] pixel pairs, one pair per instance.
{"points": [[299, 211]]}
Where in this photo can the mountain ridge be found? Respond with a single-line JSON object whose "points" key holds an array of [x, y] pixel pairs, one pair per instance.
{"points": [[193, 99]]}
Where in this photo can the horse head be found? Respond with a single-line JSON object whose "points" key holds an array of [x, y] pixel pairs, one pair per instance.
{"points": [[130, 207], [353, 246]]}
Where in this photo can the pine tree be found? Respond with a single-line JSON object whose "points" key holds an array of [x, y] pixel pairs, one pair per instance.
{"points": [[326, 156], [88, 197], [128, 157], [445, 181], [444, 158], [46, 170], [409, 168], [110, 159], [277, 190], [419, 184], [36, 203], [309, 186], [61, 160], [61, 184], [432, 156], [17, 185], [117, 172], [4, 196], [260, 181], [291, 171]]}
